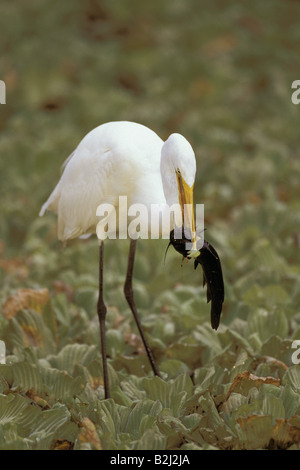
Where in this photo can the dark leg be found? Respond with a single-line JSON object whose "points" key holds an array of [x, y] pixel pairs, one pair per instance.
{"points": [[130, 299], [101, 309]]}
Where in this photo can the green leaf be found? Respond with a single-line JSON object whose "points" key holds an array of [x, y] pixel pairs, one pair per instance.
{"points": [[292, 377], [110, 417], [151, 440], [50, 420], [28, 329], [278, 348], [172, 395], [27, 377], [71, 355], [61, 386], [273, 406], [139, 412], [254, 431], [12, 407], [267, 323], [290, 399]]}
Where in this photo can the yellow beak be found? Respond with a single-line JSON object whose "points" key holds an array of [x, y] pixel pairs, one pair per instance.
{"points": [[187, 208]]}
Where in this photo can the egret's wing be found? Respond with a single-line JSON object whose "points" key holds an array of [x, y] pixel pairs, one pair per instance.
{"points": [[52, 200], [112, 160], [67, 161], [77, 194]]}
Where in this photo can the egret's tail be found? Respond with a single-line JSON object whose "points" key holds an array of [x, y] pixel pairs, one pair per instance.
{"points": [[43, 209], [51, 203]]}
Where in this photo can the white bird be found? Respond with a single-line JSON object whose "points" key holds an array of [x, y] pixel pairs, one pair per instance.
{"points": [[122, 159]]}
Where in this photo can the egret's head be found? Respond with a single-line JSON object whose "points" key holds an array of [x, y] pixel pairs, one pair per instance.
{"points": [[178, 170]]}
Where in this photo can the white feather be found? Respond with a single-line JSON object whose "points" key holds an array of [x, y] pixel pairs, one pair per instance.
{"points": [[117, 159]]}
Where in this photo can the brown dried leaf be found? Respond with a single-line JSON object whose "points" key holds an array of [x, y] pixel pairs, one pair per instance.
{"points": [[285, 434], [251, 23], [200, 87], [15, 266], [275, 362], [41, 402], [62, 444], [257, 430], [35, 299], [89, 433], [32, 336], [220, 45], [245, 380], [96, 382], [59, 286]]}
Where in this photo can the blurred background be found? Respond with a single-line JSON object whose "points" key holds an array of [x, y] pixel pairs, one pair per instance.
{"points": [[218, 72]]}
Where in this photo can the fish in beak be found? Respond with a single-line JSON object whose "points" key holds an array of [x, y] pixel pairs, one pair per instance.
{"points": [[210, 262]]}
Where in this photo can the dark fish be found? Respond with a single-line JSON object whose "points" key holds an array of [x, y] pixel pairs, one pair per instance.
{"points": [[212, 274]]}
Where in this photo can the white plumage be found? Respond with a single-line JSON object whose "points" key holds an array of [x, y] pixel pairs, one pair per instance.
{"points": [[119, 159]]}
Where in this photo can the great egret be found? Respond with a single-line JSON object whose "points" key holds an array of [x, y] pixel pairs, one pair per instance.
{"points": [[121, 159]]}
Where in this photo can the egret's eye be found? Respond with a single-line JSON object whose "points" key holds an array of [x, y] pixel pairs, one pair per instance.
{"points": [[178, 171]]}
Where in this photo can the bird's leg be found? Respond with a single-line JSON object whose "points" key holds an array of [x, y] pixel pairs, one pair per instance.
{"points": [[130, 299], [101, 309]]}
